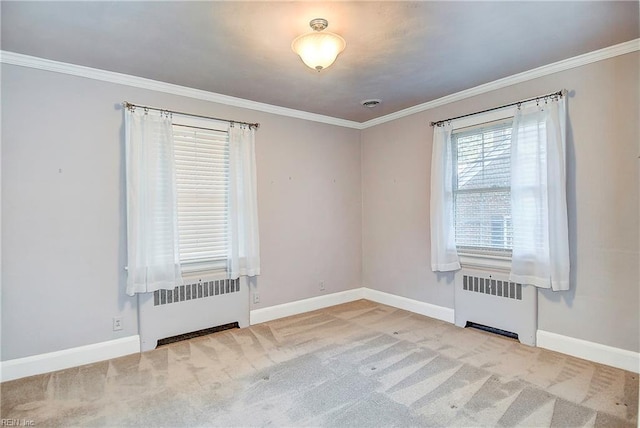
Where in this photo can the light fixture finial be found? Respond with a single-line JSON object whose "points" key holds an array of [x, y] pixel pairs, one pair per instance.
{"points": [[318, 24]]}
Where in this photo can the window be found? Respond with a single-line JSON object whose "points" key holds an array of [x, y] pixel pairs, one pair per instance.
{"points": [[191, 198], [481, 188], [202, 185]]}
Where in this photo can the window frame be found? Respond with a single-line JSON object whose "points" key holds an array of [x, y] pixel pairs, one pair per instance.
{"points": [[500, 262], [212, 269]]}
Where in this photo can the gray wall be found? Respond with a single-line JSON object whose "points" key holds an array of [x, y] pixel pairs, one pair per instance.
{"points": [[63, 224], [346, 207], [602, 305]]}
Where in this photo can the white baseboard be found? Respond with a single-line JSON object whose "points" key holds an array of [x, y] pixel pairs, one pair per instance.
{"points": [[596, 352], [59, 360], [427, 309], [258, 316], [301, 306]]}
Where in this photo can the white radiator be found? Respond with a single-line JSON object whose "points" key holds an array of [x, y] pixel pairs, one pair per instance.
{"points": [[490, 299], [191, 307]]}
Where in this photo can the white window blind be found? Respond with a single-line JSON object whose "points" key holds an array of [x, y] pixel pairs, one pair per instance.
{"points": [[202, 183], [482, 188]]}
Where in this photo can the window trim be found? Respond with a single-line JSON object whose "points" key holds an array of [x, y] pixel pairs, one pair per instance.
{"points": [[190, 277], [484, 260]]}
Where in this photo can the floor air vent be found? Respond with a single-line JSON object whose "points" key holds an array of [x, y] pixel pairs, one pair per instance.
{"points": [[198, 333], [493, 330]]}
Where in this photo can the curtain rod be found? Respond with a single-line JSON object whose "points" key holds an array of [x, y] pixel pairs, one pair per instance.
{"points": [[558, 94], [129, 105]]}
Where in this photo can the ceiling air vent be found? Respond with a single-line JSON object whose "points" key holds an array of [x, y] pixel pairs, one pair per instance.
{"points": [[370, 103]]}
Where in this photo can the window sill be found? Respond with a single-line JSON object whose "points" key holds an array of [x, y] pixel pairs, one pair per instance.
{"points": [[203, 272], [485, 262]]}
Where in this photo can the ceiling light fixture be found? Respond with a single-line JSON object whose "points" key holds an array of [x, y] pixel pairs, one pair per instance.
{"points": [[318, 49]]}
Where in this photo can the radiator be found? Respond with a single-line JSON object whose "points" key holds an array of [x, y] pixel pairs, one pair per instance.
{"points": [[191, 307], [490, 299]]}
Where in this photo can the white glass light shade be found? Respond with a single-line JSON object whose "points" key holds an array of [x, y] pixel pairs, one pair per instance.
{"points": [[319, 49]]}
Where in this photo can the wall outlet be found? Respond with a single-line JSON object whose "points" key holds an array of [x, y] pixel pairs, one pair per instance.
{"points": [[117, 323], [322, 286], [256, 298]]}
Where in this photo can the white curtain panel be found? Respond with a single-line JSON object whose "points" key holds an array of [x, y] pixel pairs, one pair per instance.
{"points": [[152, 224], [538, 196], [444, 256], [244, 244]]}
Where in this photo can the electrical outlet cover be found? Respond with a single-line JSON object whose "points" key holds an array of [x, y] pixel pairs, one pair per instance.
{"points": [[117, 323]]}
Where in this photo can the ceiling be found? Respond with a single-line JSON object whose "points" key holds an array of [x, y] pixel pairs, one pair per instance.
{"points": [[405, 53]]}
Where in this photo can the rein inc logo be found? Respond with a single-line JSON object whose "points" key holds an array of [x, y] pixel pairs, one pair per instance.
{"points": [[17, 423]]}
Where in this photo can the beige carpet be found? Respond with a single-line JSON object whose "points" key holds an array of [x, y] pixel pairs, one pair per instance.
{"points": [[357, 364]]}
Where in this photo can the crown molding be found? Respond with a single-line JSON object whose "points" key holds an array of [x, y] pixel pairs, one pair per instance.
{"points": [[545, 70], [169, 88], [21, 60]]}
